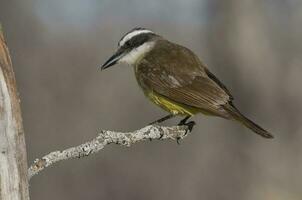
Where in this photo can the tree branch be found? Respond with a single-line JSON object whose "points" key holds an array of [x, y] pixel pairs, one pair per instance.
{"points": [[108, 137]]}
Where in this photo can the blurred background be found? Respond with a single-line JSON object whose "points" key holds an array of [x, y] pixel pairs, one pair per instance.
{"points": [[254, 47]]}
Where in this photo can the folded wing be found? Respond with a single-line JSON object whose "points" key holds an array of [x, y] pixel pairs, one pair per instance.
{"points": [[178, 75]]}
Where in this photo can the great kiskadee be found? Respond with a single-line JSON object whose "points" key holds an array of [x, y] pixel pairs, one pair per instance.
{"points": [[173, 78]]}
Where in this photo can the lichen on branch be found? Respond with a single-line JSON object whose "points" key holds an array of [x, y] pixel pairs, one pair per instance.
{"points": [[108, 137]]}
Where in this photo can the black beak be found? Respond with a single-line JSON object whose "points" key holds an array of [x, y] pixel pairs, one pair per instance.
{"points": [[113, 59]]}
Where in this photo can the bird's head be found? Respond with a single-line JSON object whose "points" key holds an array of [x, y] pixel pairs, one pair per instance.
{"points": [[132, 47]]}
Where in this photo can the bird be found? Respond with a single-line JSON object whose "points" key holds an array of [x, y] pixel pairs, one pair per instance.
{"points": [[175, 79]]}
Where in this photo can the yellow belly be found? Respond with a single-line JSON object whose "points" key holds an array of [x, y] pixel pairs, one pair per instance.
{"points": [[171, 106]]}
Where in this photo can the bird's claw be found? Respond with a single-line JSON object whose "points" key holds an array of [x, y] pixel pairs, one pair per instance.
{"points": [[190, 125], [161, 136], [178, 140]]}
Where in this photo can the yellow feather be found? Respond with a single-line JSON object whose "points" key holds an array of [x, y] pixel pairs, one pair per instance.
{"points": [[171, 106]]}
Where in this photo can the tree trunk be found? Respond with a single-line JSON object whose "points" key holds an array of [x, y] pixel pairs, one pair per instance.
{"points": [[13, 162]]}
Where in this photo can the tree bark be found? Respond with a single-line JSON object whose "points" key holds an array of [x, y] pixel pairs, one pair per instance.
{"points": [[13, 161], [109, 137]]}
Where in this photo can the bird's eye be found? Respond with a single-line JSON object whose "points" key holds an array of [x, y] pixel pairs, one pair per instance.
{"points": [[127, 44]]}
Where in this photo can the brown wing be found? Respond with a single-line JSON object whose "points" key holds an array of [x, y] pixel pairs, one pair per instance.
{"points": [[177, 74]]}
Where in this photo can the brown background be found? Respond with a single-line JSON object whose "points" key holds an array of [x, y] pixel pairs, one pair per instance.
{"points": [[254, 47]]}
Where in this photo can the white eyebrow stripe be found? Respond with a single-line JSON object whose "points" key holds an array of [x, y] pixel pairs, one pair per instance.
{"points": [[131, 35]]}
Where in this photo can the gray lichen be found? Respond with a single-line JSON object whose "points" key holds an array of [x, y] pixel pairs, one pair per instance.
{"points": [[108, 137]]}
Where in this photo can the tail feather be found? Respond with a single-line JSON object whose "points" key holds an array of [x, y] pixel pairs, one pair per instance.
{"points": [[235, 113]]}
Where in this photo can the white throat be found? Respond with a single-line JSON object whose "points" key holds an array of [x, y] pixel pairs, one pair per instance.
{"points": [[137, 54]]}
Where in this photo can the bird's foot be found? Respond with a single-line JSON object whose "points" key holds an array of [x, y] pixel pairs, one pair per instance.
{"points": [[190, 125], [161, 136], [178, 140]]}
